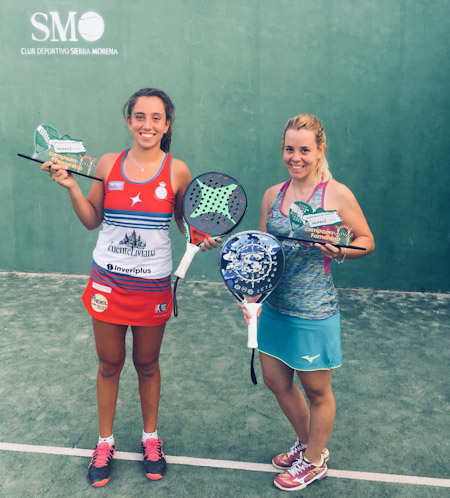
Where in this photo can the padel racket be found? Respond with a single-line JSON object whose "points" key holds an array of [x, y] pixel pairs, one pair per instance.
{"points": [[213, 205], [70, 171], [251, 264]]}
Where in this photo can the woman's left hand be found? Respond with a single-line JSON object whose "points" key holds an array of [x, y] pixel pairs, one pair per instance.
{"points": [[209, 243], [330, 251]]}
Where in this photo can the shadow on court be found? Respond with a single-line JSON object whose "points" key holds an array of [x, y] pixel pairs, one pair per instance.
{"points": [[392, 395]]}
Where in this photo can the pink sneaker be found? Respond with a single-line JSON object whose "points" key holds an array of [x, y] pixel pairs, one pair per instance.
{"points": [[300, 475], [154, 459], [284, 461], [99, 470]]}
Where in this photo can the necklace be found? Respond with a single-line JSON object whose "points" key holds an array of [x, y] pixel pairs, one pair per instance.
{"points": [[297, 197], [138, 165]]}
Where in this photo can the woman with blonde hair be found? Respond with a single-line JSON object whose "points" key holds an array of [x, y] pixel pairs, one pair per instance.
{"points": [[299, 324]]}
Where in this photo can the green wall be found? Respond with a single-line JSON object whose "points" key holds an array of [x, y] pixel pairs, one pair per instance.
{"points": [[374, 72]]}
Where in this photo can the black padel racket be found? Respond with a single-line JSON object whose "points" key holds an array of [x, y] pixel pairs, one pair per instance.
{"points": [[70, 171], [251, 264], [213, 205]]}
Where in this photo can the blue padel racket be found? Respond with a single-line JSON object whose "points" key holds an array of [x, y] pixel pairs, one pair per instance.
{"points": [[251, 264], [213, 205]]}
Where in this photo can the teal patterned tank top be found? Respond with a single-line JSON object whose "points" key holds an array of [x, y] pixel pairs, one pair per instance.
{"points": [[306, 289]]}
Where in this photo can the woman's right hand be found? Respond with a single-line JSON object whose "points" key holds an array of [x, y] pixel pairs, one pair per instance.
{"points": [[245, 311], [59, 173]]}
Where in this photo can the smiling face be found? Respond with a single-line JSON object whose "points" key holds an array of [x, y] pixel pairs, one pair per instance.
{"points": [[301, 153], [148, 122]]}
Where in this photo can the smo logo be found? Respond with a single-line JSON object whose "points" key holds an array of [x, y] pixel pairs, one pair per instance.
{"points": [[90, 27]]}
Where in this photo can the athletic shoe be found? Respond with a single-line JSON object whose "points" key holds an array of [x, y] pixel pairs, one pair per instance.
{"points": [[154, 459], [300, 475], [285, 461], [99, 470]]}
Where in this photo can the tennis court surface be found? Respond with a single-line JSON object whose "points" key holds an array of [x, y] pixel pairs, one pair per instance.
{"points": [[219, 430]]}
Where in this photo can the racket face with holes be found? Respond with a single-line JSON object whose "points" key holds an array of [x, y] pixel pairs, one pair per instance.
{"points": [[296, 212], [213, 205], [42, 136], [251, 263]]}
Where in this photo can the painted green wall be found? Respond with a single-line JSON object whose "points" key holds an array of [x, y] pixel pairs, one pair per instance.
{"points": [[375, 73]]}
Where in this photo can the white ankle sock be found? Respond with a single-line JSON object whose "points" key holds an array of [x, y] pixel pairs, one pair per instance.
{"points": [[109, 440], [149, 435]]}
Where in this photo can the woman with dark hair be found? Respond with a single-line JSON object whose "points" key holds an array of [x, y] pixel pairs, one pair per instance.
{"points": [[130, 281]]}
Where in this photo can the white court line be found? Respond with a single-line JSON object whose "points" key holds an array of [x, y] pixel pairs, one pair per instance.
{"points": [[229, 464]]}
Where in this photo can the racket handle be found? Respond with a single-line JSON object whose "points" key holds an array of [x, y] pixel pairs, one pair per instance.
{"points": [[253, 325], [191, 251]]}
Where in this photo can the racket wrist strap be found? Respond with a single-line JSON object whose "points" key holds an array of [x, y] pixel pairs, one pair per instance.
{"points": [[174, 298], [252, 368]]}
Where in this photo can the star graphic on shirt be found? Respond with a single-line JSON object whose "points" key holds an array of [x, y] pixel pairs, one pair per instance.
{"points": [[136, 199]]}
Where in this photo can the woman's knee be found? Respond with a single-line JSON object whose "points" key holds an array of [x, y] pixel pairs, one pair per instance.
{"points": [[108, 369], [319, 397], [317, 386], [318, 394], [146, 369]]}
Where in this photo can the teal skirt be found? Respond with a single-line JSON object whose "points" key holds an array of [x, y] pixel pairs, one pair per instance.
{"points": [[301, 344]]}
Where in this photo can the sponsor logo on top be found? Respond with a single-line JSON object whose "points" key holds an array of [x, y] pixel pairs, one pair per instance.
{"points": [[62, 32], [161, 191]]}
